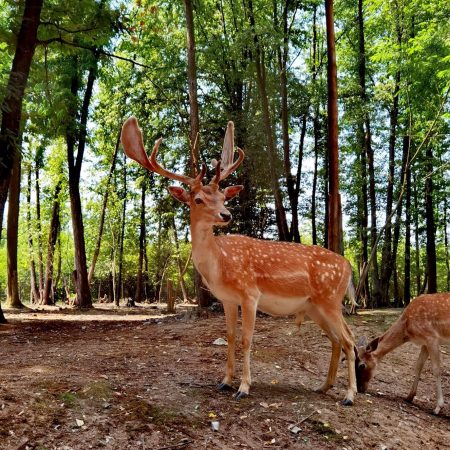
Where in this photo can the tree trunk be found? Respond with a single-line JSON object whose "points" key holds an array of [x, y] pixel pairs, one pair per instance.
{"points": [[416, 235], [361, 137], [283, 231], [335, 241], [447, 256], [181, 271], [103, 213], [12, 103], [13, 295], [119, 287], [142, 240], [283, 52], [430, 225], [407, 282], [40, 273], [35, 297], [52, 237], [204, 297], [396, 237], [386, 259], [84, 299]]}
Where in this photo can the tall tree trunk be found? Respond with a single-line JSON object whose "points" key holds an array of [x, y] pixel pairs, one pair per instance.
{"points": [[396, 237], [119, 287], [103, 212], [204, 297], [316, 130], [283, 52], [35, 298], [12, 103], [430, 225], [84, 299], [386, 259], [447, 256], [335, 241], [363, 212], [52, 237], [13, 295], [40, 273], [407, 282], [283, 230], [142, 241], [416, 235]]}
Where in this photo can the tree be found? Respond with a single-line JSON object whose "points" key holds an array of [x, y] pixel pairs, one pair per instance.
{"points": [[11, 107], [334, 202]]}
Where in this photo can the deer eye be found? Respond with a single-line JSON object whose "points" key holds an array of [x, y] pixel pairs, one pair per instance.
{"points": [[198, 201]]}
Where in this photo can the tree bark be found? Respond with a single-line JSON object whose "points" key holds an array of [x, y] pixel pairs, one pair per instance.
{"points": [[335, 241], [103, 213], [119, 287], [83, 299], [40, 273], [204, 297], [13, 295], [52, 237], [283, 230], [363, 213], [142, 241], [35, 298], [386, 259], [12, 104], [398, 222], [283, 52], [430, 225], [407, 283]]}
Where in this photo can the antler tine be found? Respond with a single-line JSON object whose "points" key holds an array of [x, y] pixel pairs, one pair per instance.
{"points": [[164, 172], [216, 178], [201, 174], [230, 169], [133, 145]]}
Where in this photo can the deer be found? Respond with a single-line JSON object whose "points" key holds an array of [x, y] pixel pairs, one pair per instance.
{"points": [[425, 322], [278, 278]]}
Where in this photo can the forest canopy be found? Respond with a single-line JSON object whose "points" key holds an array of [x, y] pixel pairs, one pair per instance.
{"points": [[96, 63]]}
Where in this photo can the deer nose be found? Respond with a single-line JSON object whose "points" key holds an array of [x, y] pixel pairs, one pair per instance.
{"points": [[226, 217]]}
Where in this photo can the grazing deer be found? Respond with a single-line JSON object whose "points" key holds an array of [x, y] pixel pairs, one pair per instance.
{"points": [[426, 322], [277, 278]]}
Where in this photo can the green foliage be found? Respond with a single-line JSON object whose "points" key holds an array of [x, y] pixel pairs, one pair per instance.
{"points": [[141, 47]]}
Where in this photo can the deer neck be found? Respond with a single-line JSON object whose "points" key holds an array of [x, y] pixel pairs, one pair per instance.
{"points": [[206, 253], [393, 338]]}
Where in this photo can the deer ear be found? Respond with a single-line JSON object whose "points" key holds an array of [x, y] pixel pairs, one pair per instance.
{"points": [[373, 345], [362, 342], [232, 191], [179, 194]]}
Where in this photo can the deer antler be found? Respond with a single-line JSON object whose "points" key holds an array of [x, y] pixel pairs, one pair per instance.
{"points": [[133, 145], [225, 166]]}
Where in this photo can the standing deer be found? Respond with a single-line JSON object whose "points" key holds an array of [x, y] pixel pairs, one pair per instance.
{"points": [[277, 278], [426, 322]]}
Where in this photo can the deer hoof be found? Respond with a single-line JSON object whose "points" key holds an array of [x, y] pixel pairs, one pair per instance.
{"points": [[224, 387], [240, 395], [346, 402]]}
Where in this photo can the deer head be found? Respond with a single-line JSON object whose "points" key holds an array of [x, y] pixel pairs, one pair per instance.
{"points": [[206, 202], [365, 362]]}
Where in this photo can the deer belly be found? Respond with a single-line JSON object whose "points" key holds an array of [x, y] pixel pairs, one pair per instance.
{"points": [[282, 306]]}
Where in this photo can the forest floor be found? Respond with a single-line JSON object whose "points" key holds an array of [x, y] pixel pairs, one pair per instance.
{"points": [[139, 379]]}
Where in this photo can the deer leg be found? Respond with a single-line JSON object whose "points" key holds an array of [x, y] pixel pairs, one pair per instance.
{"points": [[332, 369], [231, 314], [248, 328], [423, 356], [435, 357], [348, 346]]}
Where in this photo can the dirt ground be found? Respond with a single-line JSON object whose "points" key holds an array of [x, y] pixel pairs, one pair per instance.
{"points": [[144, 380]]}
